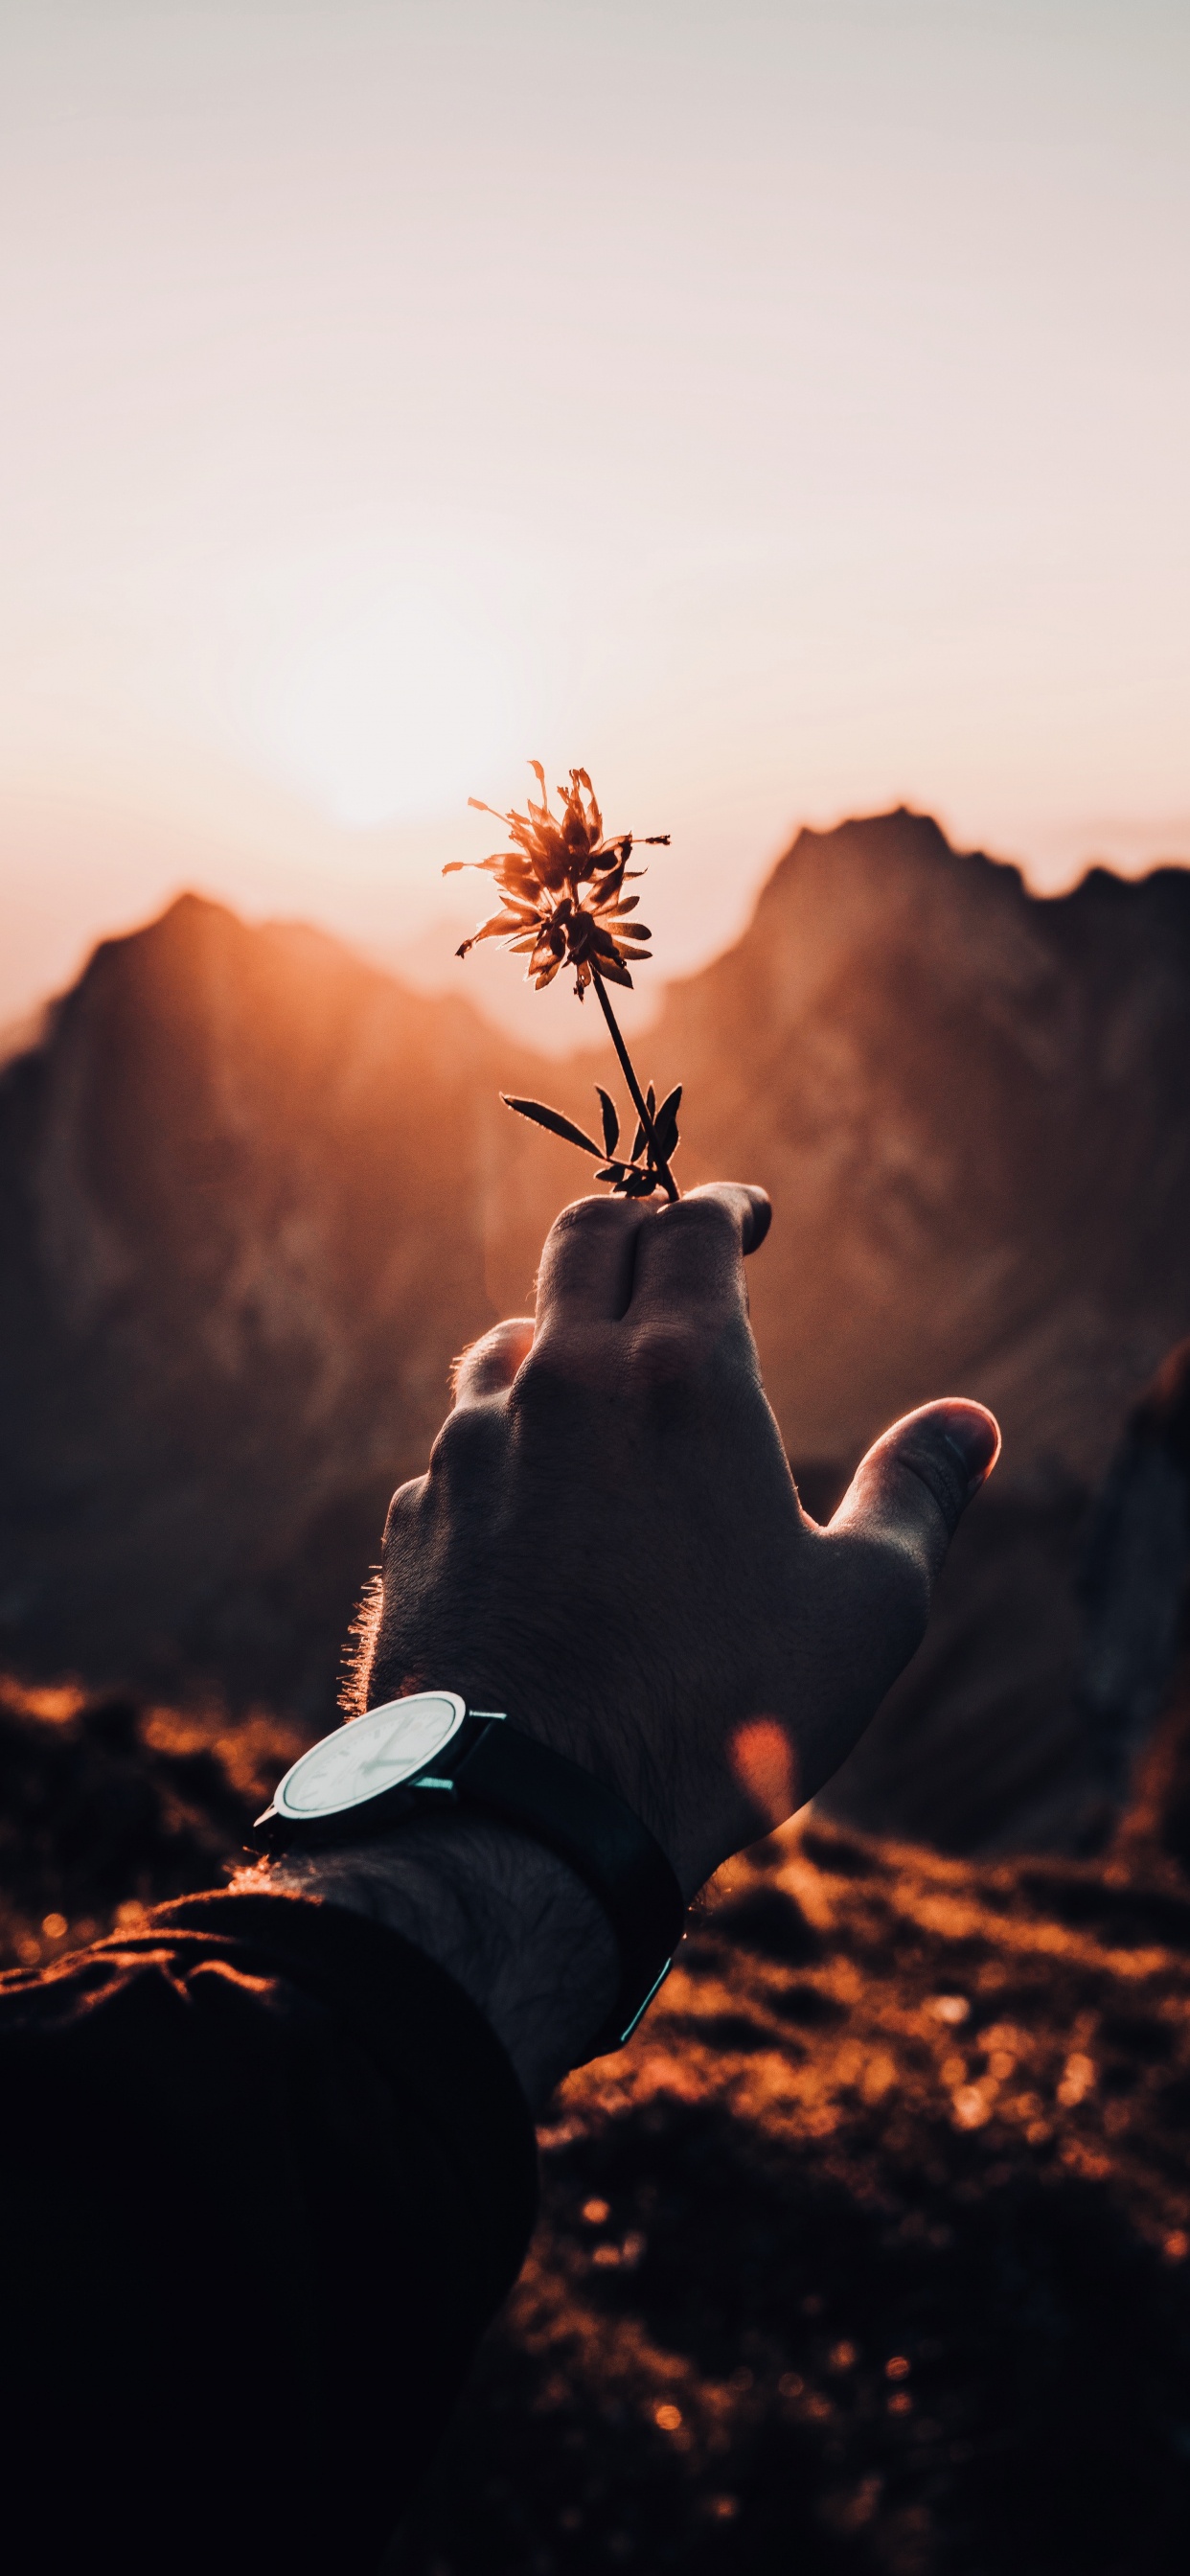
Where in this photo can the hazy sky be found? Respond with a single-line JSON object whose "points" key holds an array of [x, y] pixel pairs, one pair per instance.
{"points": [[782, 409]]}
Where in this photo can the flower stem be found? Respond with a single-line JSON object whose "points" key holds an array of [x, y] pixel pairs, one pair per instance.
{"points": [[664, 1174]]}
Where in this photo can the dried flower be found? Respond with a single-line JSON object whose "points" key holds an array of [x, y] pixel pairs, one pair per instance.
{"points": [[547, 916], [562, 885]]}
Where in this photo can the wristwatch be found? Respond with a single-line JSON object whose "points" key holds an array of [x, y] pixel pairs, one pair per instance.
{"points": [[429, 1754]]}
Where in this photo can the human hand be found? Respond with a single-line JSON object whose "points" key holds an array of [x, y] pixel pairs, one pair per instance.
{"points": [[609, 1546]]}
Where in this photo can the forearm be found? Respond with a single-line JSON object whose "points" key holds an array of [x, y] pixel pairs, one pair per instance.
{"points": [[274, 2174], [507, 1920]]}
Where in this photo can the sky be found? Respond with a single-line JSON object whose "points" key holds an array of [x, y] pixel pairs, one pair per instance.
{"points": [[780, 409]]}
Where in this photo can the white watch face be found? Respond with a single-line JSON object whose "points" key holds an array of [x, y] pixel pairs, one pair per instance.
{"points": [[370, 1754]]}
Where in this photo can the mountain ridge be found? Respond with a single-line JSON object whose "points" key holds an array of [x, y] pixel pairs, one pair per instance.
{"points": [[256, 1194], [877, 961]]}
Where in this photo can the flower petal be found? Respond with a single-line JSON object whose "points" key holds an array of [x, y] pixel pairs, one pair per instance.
{"points": [[500, 926], [596, 816]]}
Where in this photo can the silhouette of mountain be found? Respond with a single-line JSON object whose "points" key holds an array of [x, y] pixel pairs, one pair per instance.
{"points": [[970, 1107], [256, 1195], [245, 1184]]}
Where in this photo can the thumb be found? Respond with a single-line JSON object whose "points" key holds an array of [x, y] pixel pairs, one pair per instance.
{"points": [[912, 1489]]}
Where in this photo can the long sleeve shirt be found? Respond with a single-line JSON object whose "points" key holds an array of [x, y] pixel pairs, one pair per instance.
{"points": [[265, 2175]]}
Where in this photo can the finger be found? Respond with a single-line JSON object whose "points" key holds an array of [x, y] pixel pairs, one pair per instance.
{"points": [[690, 1254], [587, 1263], [489, 1365], [915, 1484], [751, 1207]]}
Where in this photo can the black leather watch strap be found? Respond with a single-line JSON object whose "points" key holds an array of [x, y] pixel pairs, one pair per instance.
{"points": [[590, 1826]]}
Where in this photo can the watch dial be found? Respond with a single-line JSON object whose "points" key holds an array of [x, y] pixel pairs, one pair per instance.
{"points": [[370, 1754]]}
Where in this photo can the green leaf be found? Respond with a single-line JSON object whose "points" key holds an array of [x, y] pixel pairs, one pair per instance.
{"points": [[640, 1185], [556, 1123], [611, 1120]]}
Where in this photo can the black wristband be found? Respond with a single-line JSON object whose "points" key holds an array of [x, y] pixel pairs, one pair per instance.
{"points": [[495, 1767]]}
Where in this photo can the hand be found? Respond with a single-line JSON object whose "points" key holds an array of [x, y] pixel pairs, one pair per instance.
{"points": [[609, 1546]]}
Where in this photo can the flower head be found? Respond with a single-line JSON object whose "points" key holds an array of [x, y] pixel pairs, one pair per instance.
{"points": [[562, 885]]}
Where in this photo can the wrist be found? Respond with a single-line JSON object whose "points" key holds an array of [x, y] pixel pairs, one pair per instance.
{"points": [[503, 1915], [427, 1755], [594, 1723]]}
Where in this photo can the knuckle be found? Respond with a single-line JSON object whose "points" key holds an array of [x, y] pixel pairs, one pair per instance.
{"points": [[707, 1220], [559, 1362], [484, 1365], [483, 1342], [402, 1514], [468, 1363], [667, 1352], [589, 1216], [512, 1333], [459, 1445]]}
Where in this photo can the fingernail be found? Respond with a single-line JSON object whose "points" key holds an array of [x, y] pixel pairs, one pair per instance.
{"points": [[761, 1218], [974, 1439]]}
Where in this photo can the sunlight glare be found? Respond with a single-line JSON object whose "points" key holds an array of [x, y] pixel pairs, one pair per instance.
{"points": [[389, 706]]}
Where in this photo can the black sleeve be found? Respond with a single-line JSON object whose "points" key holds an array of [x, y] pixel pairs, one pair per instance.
{"points": [[265, 2175]]}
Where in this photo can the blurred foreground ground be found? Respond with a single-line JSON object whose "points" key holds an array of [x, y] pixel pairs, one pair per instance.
{"points": [[872, 2254]]}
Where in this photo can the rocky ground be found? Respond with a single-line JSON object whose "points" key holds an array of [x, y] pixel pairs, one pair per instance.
{"points": [[872, 2254]]}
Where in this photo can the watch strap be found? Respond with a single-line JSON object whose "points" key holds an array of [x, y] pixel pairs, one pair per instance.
{"points": [[526, 1784], [541, 1792]]}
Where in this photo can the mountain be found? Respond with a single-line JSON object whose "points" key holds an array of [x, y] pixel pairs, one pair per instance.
{"points": [[256, 1195], [246, 1185], [971, 1109]]}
